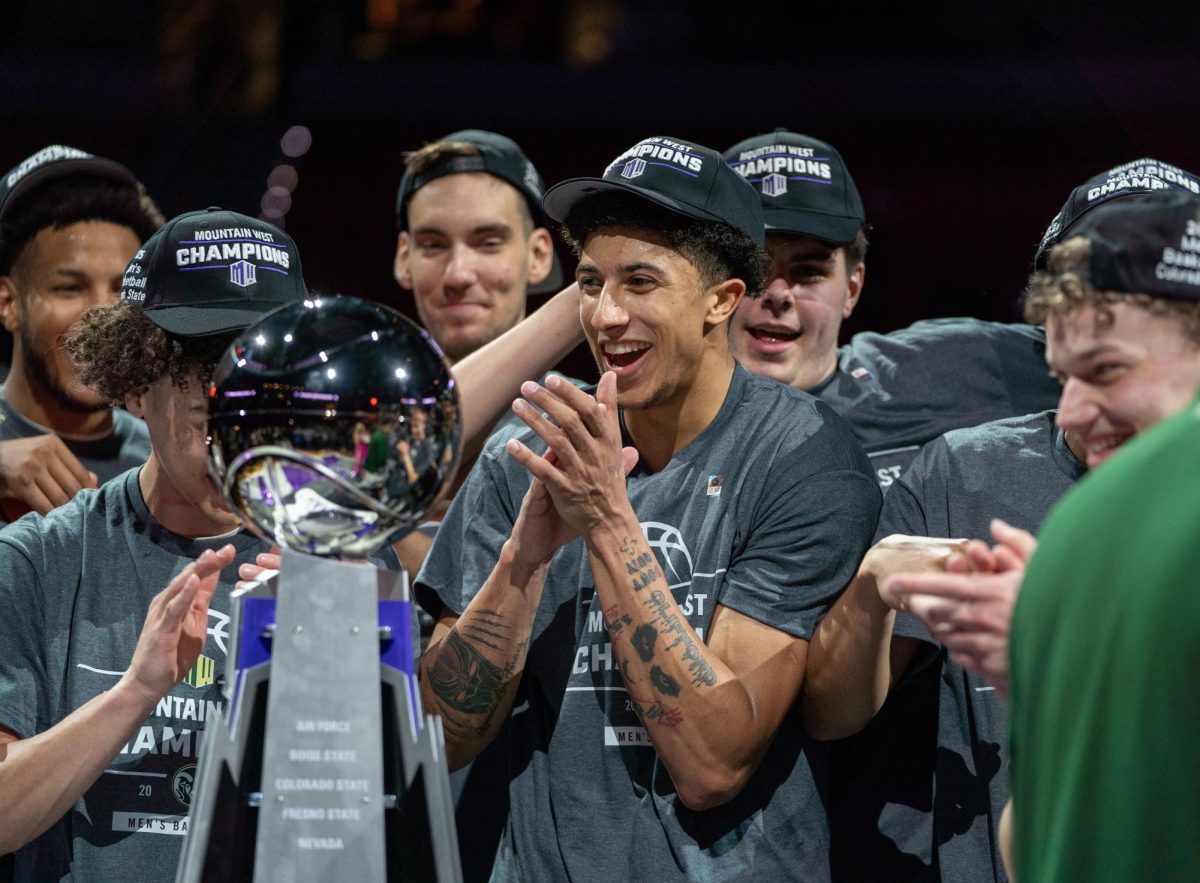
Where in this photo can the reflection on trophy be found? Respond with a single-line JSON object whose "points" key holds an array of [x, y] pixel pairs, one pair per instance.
{"points": [[286, 404], [334, 427]]}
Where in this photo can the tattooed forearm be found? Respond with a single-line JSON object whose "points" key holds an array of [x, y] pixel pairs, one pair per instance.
{"points": [[671, 624], [663, 682], [468, 684], [643, 640], [647, 578], [486, 628], [641, 567], [639, 562], [649, 711], [615, 620], [702, 672]]}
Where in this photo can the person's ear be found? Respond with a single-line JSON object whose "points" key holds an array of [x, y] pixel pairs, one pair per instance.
{"points": [[135, 402], [724, 298], [854, 283], [10, 305], [541, 255], [401, 267]]}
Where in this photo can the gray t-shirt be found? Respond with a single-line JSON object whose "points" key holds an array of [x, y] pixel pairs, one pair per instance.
{"points": [[767, 512], [948, 799], [903, 389], [127, 446], [74, 589]]}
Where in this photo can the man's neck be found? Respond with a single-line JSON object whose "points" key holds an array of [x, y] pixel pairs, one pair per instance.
{"points": [[817, 372], [174, 512], [37, 406], [663, 430]]}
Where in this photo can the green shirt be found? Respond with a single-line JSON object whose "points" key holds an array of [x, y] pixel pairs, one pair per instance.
{"points": [[1105, 662], [377, 451]]}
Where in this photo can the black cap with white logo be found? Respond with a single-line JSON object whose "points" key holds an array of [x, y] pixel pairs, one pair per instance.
{"points": [[57, 161], [684, 177], [803, 183], [1147, 243], [1127, 179], [498, 156], [213, 272]]}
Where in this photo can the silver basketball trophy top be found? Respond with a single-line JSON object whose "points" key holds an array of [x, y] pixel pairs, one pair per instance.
{"points": [[334, 426]]}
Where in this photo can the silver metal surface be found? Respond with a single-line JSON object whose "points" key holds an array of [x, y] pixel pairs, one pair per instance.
{"points": [[334, 426]]}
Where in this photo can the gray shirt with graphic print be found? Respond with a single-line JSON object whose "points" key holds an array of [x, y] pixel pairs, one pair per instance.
{"points": [[767, 512], [74, 589]]}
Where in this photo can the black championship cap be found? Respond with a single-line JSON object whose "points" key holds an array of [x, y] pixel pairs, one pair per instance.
{"points": [[57, 161], [1139, 176], [498, 156], [1147, 243], [213, 272], [803, 183], [684, 177]]}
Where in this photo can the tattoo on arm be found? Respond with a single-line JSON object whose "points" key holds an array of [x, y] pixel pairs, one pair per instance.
{"points": [[649, 711], [615, 620], [485, 628], [466, 683], [643, 640], [625, 676], [663, 682], [643, 570], [670, 623]]}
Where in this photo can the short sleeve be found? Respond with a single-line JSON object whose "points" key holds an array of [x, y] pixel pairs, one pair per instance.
{"points": [[469, 540], [903, 508], [805, 543], [22, 638]]}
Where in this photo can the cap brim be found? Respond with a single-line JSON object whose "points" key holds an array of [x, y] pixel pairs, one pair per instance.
{"points": [[832, 229], [191, 321], [561, 198]]}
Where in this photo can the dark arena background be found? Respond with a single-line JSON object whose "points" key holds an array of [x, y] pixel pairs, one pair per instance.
{"points": [[965, 125]]}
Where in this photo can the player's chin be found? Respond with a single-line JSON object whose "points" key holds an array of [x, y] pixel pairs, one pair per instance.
{"points": [[85, 400], [773, 367]]}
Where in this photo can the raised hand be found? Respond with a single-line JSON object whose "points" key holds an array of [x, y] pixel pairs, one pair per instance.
{"points": [[176, 626], [584, 469]]}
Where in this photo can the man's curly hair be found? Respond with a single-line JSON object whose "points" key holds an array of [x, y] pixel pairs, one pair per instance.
{"points": [[119, 350], [717, 250], [1066, 286]]}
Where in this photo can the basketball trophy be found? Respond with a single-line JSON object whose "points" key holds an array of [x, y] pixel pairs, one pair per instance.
{"points": [[334, 426]]}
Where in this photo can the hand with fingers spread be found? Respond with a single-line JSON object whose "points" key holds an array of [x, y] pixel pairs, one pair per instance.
{"points": [[580, 481], [176, 626], [41, 473]]}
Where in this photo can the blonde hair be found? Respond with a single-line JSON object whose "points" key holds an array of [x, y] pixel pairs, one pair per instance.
{"points": [[1066, 286]]}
